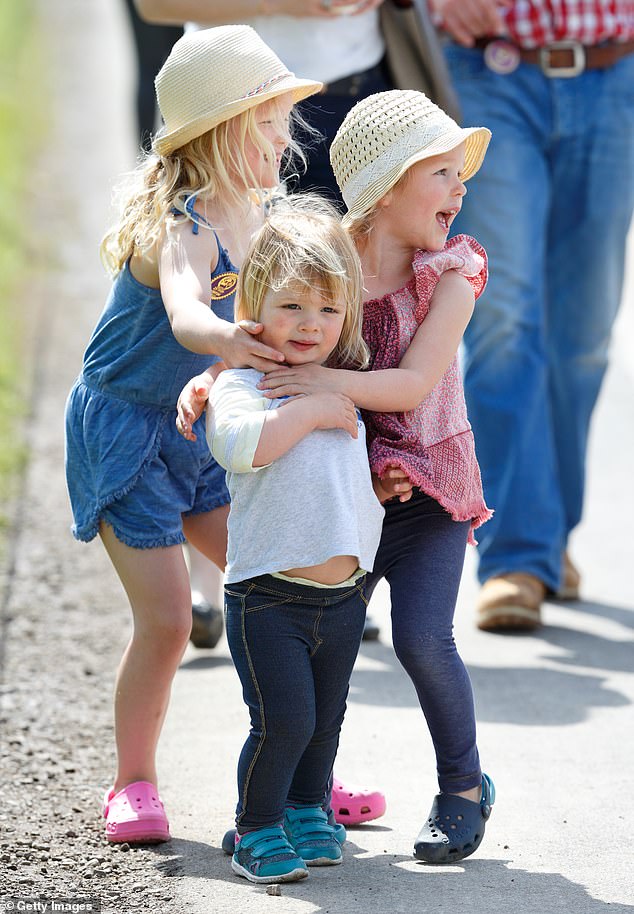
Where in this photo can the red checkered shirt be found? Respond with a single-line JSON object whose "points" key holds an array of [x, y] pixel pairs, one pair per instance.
{"points": [[535, 23]]}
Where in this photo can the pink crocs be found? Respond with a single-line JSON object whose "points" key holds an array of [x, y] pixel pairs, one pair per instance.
{"points": [[354, 805], [135, 815]]}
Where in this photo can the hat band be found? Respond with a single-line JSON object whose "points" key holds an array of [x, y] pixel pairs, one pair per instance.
{"points": [[396, 155], [266, 85]]}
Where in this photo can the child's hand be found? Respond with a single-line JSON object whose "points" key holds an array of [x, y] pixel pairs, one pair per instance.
{"points": [[331, 410], [240, 349], [192, 400], [291, 381], [394, 483]]}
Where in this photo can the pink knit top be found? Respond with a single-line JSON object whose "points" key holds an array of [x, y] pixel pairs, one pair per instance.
{"points": [[433, 443]]}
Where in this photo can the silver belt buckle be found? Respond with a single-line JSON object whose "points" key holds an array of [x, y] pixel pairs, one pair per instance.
{"points": [[578, 59]]}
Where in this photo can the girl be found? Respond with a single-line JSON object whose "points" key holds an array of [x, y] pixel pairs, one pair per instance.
{"points": [[401, 164], [294, 595], [225, 98]]}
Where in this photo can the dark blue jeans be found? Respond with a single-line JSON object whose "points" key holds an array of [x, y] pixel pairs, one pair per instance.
{"points": [[324, 113], [421, 555], [294, 648]]}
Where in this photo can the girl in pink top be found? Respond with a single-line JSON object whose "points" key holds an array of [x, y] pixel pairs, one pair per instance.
{"points": [[401, 164]]}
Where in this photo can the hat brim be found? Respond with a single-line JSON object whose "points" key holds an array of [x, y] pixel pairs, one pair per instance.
{"points": [[166, 143], [476, 140]]}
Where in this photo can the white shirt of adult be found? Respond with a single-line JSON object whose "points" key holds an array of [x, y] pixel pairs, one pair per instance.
{"points": [[321, 49]]}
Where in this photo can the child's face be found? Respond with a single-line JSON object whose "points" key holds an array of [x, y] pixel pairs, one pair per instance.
{"points": [[302, 323], [422, 206], [272, 121]]}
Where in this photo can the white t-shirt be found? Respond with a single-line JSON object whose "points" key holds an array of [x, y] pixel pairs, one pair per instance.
{"points": [[314, 502], [321, 49]]}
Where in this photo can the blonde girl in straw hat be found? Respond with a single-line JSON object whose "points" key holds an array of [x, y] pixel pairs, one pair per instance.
{"points": [[401, 164], [185, 224]]}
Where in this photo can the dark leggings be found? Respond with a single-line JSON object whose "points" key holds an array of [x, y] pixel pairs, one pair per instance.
{"points": [[421, 556]]}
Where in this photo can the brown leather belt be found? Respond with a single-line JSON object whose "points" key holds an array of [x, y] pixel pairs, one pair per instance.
{"points": [[561, 58], [354, 84]]}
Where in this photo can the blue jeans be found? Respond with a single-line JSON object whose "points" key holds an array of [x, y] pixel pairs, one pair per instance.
{"points": [[325, 113], [421, 555], [294, 648], [551, 205]]}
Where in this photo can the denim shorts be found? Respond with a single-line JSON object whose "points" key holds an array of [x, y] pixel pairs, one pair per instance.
{"points": [[150, 514], [127, 465]]}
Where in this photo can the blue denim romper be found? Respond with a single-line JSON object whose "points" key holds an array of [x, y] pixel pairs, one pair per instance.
{"points": [[126, 464]]}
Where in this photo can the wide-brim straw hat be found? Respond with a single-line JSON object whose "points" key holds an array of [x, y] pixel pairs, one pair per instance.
{"points": [[214, 74], [387, 133]]}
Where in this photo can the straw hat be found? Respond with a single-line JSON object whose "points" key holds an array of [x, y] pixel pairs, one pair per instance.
{"points": [[212, 75], [387, 133]]}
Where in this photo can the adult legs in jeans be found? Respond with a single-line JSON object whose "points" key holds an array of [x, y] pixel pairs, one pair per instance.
{"points": [[551, 206], [294, 650], [421, 555]]}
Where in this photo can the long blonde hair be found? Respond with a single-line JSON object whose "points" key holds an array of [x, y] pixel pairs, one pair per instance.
{"points": [[303, 244], [212, 166]]}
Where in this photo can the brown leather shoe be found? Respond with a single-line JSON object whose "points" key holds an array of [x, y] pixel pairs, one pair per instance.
{"points": [[510, 602], [570, 580]]}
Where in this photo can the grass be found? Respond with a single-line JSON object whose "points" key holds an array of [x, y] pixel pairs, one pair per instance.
{"points": [[22, 101]]}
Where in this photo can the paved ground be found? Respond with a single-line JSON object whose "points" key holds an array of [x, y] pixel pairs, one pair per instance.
{"points": [[555, 709]]}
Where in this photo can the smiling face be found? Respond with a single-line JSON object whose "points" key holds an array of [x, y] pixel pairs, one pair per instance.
{"points": [[419, 210], [302, 322]]}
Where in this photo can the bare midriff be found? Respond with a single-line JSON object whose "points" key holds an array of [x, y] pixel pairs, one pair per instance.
{"points": [[337, 569]]}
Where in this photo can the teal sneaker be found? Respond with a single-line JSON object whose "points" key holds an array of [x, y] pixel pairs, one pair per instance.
{"points": [[314, 839], [265, 855], [229, 837]]}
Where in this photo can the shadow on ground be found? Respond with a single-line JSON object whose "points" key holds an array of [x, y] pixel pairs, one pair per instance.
{"points": [[398, 884], [527, 695]]}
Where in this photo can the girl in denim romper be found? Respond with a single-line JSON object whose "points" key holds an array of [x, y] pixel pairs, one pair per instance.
{"points": [[226, 99]]}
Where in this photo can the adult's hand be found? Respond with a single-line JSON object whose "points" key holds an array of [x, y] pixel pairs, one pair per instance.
{"points": [[467, 20]]}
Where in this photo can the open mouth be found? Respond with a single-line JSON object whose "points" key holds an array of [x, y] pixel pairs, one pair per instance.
{"points": [[446, 218]]}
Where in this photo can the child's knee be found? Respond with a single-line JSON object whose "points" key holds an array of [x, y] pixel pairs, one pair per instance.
{"points": [[290, 727], [168, 627], [425, 655]]}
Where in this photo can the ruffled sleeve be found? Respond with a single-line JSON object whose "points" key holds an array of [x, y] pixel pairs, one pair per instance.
{"points": [[461, 253]]}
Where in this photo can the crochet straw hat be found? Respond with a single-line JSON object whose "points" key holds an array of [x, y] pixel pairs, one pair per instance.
{"points": [[387, 133], [212, 75]]}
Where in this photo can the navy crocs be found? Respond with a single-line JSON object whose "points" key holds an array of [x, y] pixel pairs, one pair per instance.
{"points": [[455, 827]]}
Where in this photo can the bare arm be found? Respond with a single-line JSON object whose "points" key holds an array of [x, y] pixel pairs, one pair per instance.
{"points": [[193, 398], [286, 426], [184, 269], [221, 12], [394, 389], [467, 20]]}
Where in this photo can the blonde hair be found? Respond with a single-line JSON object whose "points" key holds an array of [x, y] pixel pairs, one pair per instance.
{"points": [[359, 229], [303, 244], [213, 166]]}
